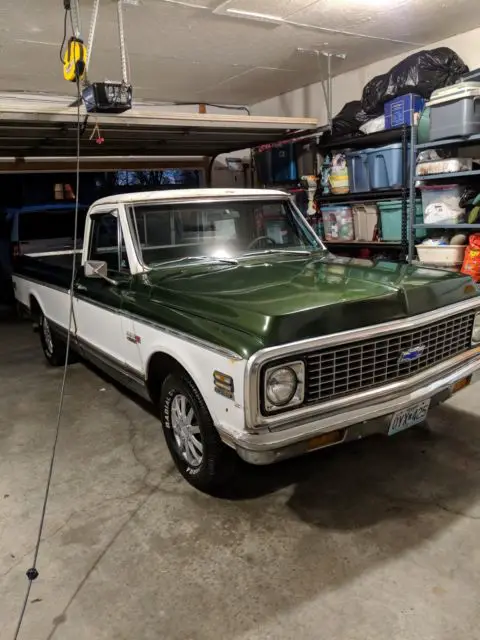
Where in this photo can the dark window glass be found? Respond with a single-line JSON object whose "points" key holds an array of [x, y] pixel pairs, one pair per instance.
{"points": [[50, 225]]}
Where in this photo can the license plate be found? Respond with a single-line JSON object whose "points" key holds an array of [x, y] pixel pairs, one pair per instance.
{"points": [[408, 417]]}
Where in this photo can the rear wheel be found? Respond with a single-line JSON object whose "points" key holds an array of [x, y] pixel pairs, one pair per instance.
{"points": [[194, 444], [54, 349]]}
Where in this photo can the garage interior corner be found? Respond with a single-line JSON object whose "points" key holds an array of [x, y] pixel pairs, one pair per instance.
{"points": [[239, 320]]}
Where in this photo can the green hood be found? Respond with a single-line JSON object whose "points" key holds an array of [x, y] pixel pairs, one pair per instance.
{"points": [[275, 299]]}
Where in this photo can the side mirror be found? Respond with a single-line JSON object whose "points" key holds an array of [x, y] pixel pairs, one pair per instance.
{"points": [[97, 269]]}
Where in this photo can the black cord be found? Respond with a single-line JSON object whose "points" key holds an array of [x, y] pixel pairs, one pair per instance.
{"points": [[32, 573], [64, 35]]}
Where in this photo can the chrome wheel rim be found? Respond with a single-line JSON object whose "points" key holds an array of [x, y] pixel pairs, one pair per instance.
{"points": [[47, 334], [186, 431]]}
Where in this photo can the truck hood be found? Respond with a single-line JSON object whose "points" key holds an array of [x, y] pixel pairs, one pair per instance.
{"points": [[275, 299]]}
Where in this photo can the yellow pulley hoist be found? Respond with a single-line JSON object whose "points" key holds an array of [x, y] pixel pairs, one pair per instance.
{"points": [[75, 60]]}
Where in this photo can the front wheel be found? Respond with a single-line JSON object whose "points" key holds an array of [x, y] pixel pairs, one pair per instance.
{"points": [[194, 444]]}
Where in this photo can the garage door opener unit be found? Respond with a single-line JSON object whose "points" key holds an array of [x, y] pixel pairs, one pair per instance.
{"points": [[98, 97]]}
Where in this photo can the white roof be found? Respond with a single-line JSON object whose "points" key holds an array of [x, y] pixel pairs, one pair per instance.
{"points": [[188, 194]]}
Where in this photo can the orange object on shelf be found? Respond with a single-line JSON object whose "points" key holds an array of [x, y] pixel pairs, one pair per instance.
{"points": [[471, 261]]}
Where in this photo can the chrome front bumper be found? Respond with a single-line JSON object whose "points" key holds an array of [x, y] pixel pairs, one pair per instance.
{"points": [[363, 419]]}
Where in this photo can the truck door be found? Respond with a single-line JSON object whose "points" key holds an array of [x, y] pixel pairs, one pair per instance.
{"points": [[101, 329]]}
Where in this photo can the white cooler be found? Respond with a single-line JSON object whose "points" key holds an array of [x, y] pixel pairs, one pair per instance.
{"points": [[455, 111]]}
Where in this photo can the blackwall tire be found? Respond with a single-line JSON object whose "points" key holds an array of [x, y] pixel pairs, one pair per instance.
{"points": [[192, 439]]}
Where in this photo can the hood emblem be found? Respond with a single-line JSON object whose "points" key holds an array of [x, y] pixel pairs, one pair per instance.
{"points": [[410, 355]]}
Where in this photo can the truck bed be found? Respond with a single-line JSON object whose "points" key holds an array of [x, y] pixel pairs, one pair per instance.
{"points": [[54, 269]]}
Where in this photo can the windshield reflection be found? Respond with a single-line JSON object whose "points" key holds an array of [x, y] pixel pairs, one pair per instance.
{"points": [[223, 231]]}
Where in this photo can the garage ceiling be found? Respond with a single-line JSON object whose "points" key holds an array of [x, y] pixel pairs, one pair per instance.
{"points": [[213, 51]]}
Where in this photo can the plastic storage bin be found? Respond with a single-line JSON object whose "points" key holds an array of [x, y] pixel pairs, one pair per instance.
{"points": [[338, 179], [441, 255], [391, 219], [441, 203], [365, 221], [400, 110], [338, 223], [358, 176], [455, 111], [385, 167], [339, 184], [447, 165], [423, 131], [474, 75]]}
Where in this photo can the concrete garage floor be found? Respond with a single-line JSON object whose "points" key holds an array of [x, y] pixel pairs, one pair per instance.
{"points": [[375, 540]]}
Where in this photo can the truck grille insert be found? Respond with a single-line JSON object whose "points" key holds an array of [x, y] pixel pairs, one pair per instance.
{"points": [[340, 370]]}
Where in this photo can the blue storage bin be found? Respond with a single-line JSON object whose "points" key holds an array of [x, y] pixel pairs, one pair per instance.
{"points": [[399, 111], [391, 219], [284, 165], [357, 166], [385, 167]]}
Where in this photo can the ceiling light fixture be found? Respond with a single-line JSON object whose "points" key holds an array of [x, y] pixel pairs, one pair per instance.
{"points": [[364, 4], [252, 15], [184, 3]]}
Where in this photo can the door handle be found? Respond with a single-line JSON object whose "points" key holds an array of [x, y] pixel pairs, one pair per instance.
{"points": [[79, 287]]}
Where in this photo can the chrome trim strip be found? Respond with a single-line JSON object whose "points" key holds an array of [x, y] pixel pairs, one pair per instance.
{"points": [[268, 440], [110, 362], [96, 355], [253, 415], [231, 355]]}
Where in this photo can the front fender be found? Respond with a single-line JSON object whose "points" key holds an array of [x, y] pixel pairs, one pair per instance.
{"points": [[200, 362]]}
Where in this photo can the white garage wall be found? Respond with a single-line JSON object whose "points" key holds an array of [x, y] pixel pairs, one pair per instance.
{"points": [[309, 101]]}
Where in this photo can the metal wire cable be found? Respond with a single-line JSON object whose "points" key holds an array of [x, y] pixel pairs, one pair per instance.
{"points": [[32, 573]]}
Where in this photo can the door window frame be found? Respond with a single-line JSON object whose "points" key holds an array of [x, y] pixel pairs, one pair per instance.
{"points": [[120, 245]]}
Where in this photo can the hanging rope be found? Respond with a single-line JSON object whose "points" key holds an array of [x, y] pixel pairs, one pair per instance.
{"points": [[121, 38]]}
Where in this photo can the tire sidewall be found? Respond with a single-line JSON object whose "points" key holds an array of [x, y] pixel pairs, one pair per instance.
{"points": [[49, 354], [56, 356], [167, 396]]}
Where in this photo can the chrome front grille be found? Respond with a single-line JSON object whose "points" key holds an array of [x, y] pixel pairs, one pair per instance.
{"points": [[340, 370]]}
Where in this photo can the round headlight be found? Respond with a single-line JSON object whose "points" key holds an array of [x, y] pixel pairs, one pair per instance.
{"points": [[476, 329], [280, 386]]}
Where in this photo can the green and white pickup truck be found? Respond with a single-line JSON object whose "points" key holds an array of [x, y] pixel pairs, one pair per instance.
{"points": [[225, 309]]}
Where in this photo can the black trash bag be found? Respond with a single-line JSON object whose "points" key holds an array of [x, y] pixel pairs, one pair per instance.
{"points": [[420, 73], [349, 119]]}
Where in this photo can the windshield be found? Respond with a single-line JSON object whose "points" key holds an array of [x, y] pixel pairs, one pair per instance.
{"points": [[219, 230]]}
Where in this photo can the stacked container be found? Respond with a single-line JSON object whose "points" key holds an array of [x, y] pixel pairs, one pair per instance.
{"points": [[375, 169], [365, 221], [400, 110], [455, 111], [385, 167], [441, 204], [391, 218], [358, 176], [338, 223]]}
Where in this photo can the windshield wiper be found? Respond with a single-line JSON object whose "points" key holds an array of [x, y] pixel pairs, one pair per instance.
{"points": [[194, 259], [298, 252]]}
